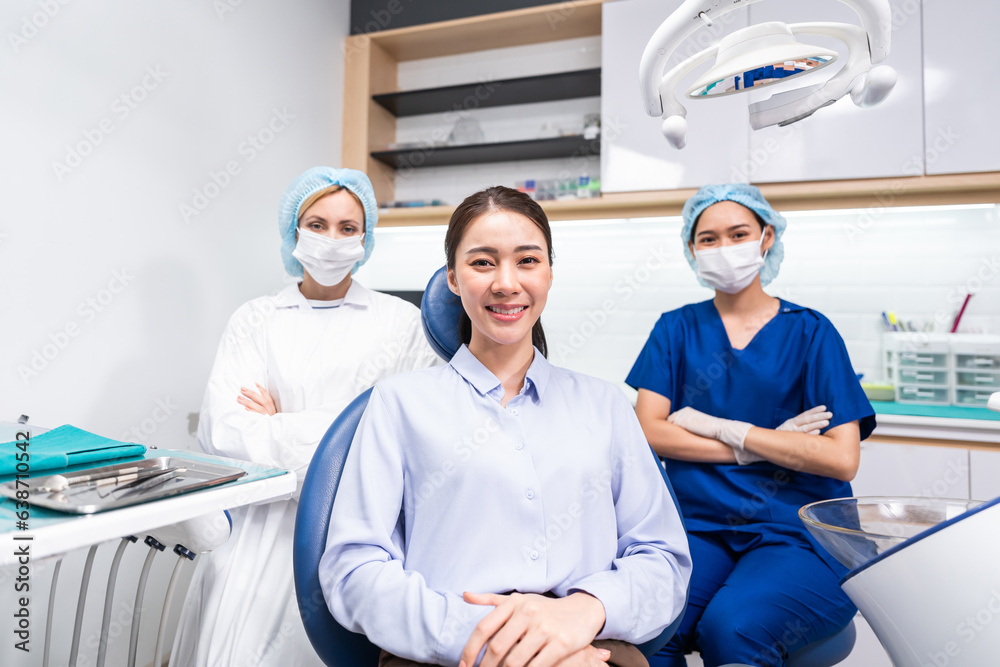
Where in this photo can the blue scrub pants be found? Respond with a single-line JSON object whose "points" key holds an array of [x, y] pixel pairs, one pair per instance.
{"points": [[755, 601]]}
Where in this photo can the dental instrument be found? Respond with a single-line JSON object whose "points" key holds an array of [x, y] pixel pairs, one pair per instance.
{"points": [[74, 650], [182, 553], [133, 640], [961, 311], [764, 54], [48, 617], [192, 537], [55, 483], [150, 481], [109, 597]]}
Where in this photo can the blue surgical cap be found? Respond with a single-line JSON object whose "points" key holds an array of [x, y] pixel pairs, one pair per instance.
{"points": [[748, 196], [315, 180]]}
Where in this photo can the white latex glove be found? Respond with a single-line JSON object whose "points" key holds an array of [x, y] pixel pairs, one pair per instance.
{"points": [[811, 421], [727, 431]]}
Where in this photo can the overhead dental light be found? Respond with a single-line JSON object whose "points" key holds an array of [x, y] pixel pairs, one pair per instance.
{"points": [[765, 54]]}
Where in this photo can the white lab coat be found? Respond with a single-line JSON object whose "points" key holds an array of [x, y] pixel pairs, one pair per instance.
{"points": [[241, 609]]}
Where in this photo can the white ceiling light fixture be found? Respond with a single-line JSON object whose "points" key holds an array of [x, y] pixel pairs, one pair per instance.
{"points": [[765, 54]]}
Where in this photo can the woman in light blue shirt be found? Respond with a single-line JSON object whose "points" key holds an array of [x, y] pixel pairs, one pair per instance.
{"points": [[500, 502]]}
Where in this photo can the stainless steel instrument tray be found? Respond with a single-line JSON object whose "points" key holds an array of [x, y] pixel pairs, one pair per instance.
{"points": [[197, 475]]}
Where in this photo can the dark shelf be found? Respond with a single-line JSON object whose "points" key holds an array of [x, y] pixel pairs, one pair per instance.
{"points": [[545, 88], [534, 149]]}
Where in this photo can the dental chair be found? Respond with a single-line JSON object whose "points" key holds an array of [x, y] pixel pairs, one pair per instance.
{"points": [[335, 645]]}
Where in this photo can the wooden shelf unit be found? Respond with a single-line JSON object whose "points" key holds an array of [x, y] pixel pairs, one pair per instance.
{"points": [[371, 61], [503, 92], [502, 151]]}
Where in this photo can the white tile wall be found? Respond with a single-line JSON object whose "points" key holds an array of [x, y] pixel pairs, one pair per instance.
{"points": [[849, 265]]}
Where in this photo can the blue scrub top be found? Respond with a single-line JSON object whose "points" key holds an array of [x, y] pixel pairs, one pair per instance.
{"points": [[795, 362]]}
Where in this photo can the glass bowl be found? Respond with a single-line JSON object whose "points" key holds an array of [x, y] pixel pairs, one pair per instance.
{"points": [[855, 530]]}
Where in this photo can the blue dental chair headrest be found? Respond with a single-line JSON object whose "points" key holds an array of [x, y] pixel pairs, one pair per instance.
{"points": [[440, 309]]}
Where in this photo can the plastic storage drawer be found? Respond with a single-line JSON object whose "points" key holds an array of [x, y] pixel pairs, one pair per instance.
{"points": [[975, 380], [923, 359], [978, 361], [922, 394], [966, 396], [922, 376]]}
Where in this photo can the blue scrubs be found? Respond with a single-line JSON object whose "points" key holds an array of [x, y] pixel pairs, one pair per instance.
{"points": [[761, 587]]}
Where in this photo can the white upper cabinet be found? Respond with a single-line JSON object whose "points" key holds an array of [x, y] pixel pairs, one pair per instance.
{"points": [[843, 141], [961, 71], [634, 154]]}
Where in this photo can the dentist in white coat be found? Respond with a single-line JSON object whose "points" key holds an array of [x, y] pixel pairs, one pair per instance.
{"points": [[287, 365]]}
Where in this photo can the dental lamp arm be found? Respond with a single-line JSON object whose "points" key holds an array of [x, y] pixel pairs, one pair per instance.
{"points": [[674, 126], [876, 19], [677, 27]]}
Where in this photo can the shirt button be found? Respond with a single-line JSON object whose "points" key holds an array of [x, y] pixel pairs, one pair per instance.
{"points": [[786, 310], [519, 446], [513, 412], [529, 494], [534, 555]]}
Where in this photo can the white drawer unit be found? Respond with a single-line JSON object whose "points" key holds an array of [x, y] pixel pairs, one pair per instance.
{"points": [[976, 368], [942, 369], [918, 364]]}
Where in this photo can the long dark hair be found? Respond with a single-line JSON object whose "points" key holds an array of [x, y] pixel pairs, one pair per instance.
{"points": [[496, 198]]}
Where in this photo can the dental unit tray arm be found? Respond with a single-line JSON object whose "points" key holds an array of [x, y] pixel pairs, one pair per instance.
{"points": [[868, 45]]}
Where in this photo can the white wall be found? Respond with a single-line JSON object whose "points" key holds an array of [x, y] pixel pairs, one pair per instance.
{"points": [[198, 80], [273, 71]]}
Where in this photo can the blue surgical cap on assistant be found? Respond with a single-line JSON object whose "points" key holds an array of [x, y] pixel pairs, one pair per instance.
{"points": [[308, 184], [750, 197]]}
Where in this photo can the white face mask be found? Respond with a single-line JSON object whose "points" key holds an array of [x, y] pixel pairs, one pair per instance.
{"points": [[328, 260], [730, 268]]}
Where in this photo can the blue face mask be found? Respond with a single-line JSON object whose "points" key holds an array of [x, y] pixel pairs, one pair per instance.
{"points": [[730, 268]]}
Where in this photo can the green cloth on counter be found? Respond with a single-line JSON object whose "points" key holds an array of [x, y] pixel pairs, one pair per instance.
{"points": [[63, 447], [945, 411]]}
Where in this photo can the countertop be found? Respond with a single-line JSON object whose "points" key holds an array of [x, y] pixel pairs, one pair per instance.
{"points": [[958, 425]]}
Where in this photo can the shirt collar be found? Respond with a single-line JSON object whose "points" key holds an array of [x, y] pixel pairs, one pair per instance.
{"points": [[789, 307], [290, 297], [486, 383]]}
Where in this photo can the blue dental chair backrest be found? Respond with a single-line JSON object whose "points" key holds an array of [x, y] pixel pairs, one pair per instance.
{"points": [[335, 645]]}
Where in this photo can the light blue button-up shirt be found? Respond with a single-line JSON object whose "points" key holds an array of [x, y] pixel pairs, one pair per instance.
{"points": [[445, 491]]}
